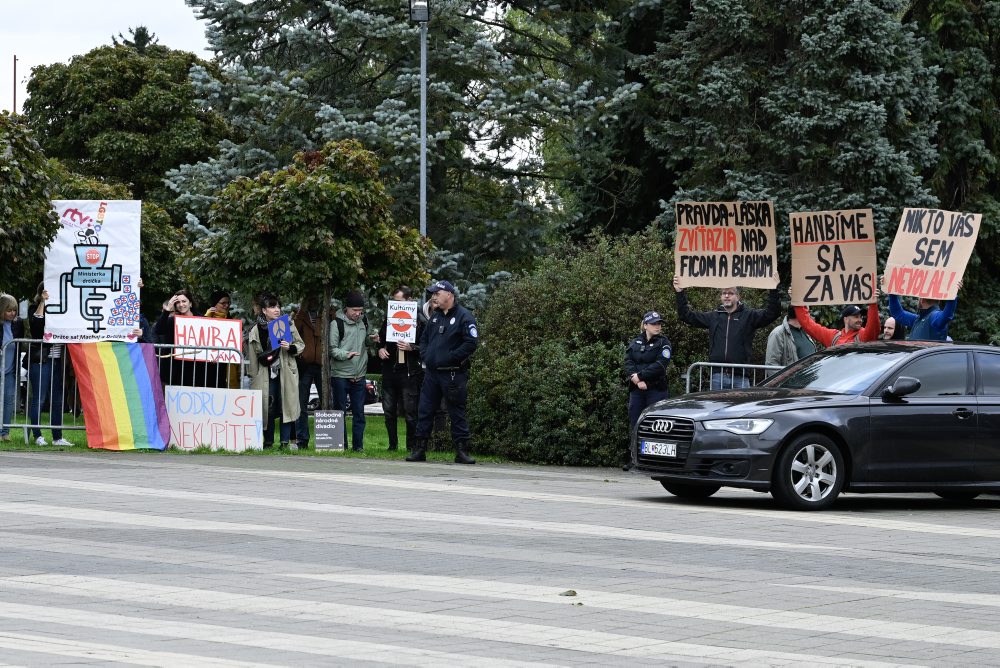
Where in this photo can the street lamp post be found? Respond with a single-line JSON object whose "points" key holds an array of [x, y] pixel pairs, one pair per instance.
{"points": [[420, 12]]}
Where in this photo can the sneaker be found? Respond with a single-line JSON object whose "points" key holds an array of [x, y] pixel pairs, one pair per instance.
{"points": [[293, 447], [41, 441], [4, 437], [62, 443]]}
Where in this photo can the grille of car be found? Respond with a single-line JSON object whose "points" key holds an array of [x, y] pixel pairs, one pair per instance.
{"points": [[681, 432]]}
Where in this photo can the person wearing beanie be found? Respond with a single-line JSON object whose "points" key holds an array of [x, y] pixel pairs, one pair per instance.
{"points": [[787, 342], [349, 338]]}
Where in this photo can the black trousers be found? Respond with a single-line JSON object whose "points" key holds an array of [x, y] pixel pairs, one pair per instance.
{"points": [[400, 395], [453, 386]]}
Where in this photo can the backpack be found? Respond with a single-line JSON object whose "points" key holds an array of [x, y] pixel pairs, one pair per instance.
{"points": [[340, 326]]}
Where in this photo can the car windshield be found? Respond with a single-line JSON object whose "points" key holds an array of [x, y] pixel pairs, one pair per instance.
{"points": [[841, 371]]}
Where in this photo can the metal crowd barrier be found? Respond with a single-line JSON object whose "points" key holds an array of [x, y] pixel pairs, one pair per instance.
{"points": [[699, 376], [173, 371]]}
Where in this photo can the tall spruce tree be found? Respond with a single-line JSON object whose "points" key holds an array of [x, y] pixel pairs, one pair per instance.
{"points": [[963, 42], [813, 105], [301, 73]]}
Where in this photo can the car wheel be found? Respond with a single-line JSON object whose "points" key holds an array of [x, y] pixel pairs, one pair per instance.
{"points": [[683, 491], [957, 495], [810, 473]]}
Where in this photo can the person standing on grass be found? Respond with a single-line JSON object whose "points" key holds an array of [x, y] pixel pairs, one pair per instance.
{"points": [[349, 336], [13, 328], [46, 375], [274, 372], [402, 376]]}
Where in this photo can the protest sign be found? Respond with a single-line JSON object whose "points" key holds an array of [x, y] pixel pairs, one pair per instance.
{"points": [[833, 257], [278, 330], [401, 322], [208, 332], [328, 430], [930, 253], [217, 418], [725, 244], [92, 272]]}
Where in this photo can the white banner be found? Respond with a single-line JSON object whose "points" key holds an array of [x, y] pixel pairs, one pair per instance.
{"points": [[216, 418], [208, 332], [92, 271], [401, 322]]}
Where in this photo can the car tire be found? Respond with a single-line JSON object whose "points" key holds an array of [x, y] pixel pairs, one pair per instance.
{"points": [[810, 473], [957, 495], [683, 491]]}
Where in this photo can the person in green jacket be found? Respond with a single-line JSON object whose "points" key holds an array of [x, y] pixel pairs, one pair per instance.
{"points": [[349, 336]]}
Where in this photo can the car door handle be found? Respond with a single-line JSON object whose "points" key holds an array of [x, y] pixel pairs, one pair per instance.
{"points": [[962, 413]]}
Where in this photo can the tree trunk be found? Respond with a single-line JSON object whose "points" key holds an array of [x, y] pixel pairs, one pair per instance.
{"points": [[324, 334]]}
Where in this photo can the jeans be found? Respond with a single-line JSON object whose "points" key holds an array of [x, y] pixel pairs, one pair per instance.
{"points": [[342, 387], [728, 380], [274, 412], [639, 400], [308, 374], [400, 391], [454, 386], [9, 396], [46, 381]]}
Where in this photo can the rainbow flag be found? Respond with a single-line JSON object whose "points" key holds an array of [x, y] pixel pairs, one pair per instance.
{"points": [[121, 394]]}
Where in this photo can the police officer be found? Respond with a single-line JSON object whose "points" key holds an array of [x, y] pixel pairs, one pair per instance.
{"points": [[446, 345], [646, 360]]}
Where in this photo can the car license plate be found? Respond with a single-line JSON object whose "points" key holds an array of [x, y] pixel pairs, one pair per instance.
{"points": [[659, 449]]}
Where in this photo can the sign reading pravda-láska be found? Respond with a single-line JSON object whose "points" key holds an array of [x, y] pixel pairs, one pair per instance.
{"points": [[930, 252], [833, 257], [725, 244]]}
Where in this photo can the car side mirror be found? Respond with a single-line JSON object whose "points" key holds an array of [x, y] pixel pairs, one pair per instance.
{"points": [[904, 385]]}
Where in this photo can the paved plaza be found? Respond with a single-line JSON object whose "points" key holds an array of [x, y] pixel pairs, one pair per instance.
{"points": [[158, 559]]}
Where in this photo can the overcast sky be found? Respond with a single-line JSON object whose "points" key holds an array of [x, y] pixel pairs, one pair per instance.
{"points": [[41, 32]]}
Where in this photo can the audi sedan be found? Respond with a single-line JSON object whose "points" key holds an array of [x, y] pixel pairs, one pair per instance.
{"points": [[900, 416]]}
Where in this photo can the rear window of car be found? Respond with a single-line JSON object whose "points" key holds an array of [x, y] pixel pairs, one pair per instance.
{"points": [[844, 371]]}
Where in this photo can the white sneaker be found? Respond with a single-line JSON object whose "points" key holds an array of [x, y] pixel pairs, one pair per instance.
{"points": [[41, 441], [62, 443]]}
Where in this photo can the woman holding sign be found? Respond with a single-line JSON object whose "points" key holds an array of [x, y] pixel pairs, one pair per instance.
{"points": [[273, 370]]}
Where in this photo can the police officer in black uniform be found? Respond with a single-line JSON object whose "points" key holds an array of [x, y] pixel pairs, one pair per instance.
{"points": [[646, 360], [446, 346]]}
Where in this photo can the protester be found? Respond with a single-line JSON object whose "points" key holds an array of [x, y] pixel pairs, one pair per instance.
{"points": [[310, 362], [646, 360], [892, 332], [221, 374], [46, 375], [275, 373], [174, 371], [446, 347], [852, 331], [930, 322], [13, 328], [402, 376], [787, 342], [730, 327], [349, 338]]}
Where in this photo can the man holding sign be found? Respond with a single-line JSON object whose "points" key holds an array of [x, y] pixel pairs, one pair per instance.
{"points": [[930, 322], [401, 371]]}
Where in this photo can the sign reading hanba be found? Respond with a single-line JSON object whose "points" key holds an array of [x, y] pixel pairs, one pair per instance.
{"points": [[725, 244], [930, 253], [833, 257], [214, 339]]}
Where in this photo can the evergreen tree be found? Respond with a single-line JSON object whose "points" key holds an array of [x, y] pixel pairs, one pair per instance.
{"points": [[813, 105], [301, 73], [963, 42]]}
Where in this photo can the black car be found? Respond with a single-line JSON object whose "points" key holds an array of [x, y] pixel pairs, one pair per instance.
{"points": [[901, 416]]}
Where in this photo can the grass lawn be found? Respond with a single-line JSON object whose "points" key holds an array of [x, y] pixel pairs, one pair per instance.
{"points": [[376, 443]]}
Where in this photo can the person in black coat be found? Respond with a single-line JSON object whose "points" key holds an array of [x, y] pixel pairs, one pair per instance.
{"points": [[646, 360]]}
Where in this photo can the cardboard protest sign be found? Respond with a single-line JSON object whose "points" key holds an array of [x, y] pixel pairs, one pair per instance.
{"points": [[92, 272], [401, 322], [278, 330], [726, 244], [930, 253], [833, 257], [208, 332], [221, 419]]}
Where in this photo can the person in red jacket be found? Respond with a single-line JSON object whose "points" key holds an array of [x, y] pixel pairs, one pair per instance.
{"points": [[852, 331]]}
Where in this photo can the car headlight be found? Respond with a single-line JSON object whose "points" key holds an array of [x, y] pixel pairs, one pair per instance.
{"points": [[742, 426]]}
